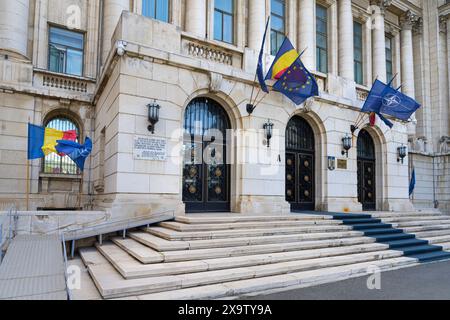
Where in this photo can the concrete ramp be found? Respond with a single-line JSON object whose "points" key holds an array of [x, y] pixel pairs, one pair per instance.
{"points": [[33, 269]]}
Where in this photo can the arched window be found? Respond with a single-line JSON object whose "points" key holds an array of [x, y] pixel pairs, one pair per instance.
{"points": [[54, 163]]}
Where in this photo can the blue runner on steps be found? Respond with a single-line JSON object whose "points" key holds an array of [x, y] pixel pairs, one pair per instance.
{"points": [[395, 238]]}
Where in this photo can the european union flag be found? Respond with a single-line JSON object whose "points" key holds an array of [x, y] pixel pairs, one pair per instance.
{"points": [[259, 69], [297, 83], [387, 100], [75, 151]]}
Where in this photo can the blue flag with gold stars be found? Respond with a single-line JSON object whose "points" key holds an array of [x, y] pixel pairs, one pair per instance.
{"points": [[297, 83]]}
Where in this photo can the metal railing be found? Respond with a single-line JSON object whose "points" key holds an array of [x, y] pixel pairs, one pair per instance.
{"points": [[104, 228], [12, 227]]}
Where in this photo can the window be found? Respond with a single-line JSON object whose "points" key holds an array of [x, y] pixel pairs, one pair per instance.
{"points": [[224, 20], [389, 68], [53, 163], [156, 9], [321, 39], [66, 51], [358, 52], [277, 25]]}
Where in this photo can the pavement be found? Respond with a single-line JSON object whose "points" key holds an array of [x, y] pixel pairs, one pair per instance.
{"points": [[424, 282]]}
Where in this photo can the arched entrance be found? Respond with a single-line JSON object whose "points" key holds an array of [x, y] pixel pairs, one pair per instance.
{"points": [[300, 166], [366, 171], [206, 174]]}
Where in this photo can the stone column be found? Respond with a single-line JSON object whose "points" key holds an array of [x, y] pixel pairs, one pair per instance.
{"points": [[407, 62], [112, 9], [378, 39], [14, 26], [407, 58], [306, 32], [196, 17], [256, 24], [345, 27]]}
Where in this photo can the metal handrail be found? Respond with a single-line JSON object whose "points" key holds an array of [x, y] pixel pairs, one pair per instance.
{"points": [[66, 276], [12, 215]]}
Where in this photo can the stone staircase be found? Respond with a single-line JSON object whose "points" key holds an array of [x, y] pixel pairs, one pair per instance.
{"points": [[431, 226], [218, 256]]}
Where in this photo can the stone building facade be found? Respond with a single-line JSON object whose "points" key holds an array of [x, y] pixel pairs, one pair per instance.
{"points": [[96, 66]]}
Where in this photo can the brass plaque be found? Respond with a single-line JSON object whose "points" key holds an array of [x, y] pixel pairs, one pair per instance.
{"points": [[342, 164]]}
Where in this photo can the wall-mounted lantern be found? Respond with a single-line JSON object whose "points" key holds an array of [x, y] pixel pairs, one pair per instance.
{"points": [[153, 115], [401, 152], [346, 144], [268, 130]]}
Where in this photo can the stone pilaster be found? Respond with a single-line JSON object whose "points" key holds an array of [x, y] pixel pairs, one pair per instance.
{"points": [[196, 17], [14, 26], [378, 38], [345, 28], [256, 23], [306, 28], [112, 10]]}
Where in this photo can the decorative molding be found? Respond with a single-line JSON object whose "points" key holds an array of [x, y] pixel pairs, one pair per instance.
{"points": [[215, 81]]}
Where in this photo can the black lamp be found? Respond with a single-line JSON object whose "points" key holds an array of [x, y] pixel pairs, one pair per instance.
{"points": [[268, 129], [153, 115], [346, 144], [402, 150]]}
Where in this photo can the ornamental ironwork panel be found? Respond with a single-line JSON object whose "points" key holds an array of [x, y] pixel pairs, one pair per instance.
{"points": [[299, 135]]}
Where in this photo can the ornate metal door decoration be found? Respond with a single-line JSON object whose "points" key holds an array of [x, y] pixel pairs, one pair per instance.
{"points": [[300, 181], [206, 185], [366, 171]]}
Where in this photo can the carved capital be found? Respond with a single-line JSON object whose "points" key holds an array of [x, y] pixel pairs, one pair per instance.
{"points": [[382, 4], [408, 20], [418, 26], [443, 20]]}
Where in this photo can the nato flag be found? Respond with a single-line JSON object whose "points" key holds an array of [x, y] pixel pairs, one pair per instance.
{"points": [[297, 83], [75, 151], [259, 69], [385, 99]]}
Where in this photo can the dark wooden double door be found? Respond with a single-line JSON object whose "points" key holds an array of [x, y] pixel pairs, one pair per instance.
{"points": [[366, 171], [300, 167], [206, 174]]}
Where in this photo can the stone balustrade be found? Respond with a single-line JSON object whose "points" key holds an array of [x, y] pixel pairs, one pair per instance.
{"points": [[362, 93], [209, 50], [63, 84], [321, 80]]}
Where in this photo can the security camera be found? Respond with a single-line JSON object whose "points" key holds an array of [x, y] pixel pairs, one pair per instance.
{"points": [[121, 46]]}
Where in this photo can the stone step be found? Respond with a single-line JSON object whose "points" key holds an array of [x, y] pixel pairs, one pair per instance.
{"points": [[439, 239], [433, 233], [223, 252], [410, 219], [218, 234], [178, 226], [296, 279], [423, 223], [410, 215], [111, 284], [426, 228], [160, 244], [130, 268], [139, 251], [232, 218]]}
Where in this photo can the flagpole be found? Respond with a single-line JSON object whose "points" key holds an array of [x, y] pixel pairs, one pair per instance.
{"points": [[28, 184]]}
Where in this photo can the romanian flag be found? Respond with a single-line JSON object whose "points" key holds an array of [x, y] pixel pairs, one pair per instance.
{"points": [[43, 141], [285, 57]]}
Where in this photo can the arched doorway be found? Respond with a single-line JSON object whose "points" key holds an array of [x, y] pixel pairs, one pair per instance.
{"points": [[300, 166], [366, 171], [206, 174]]}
